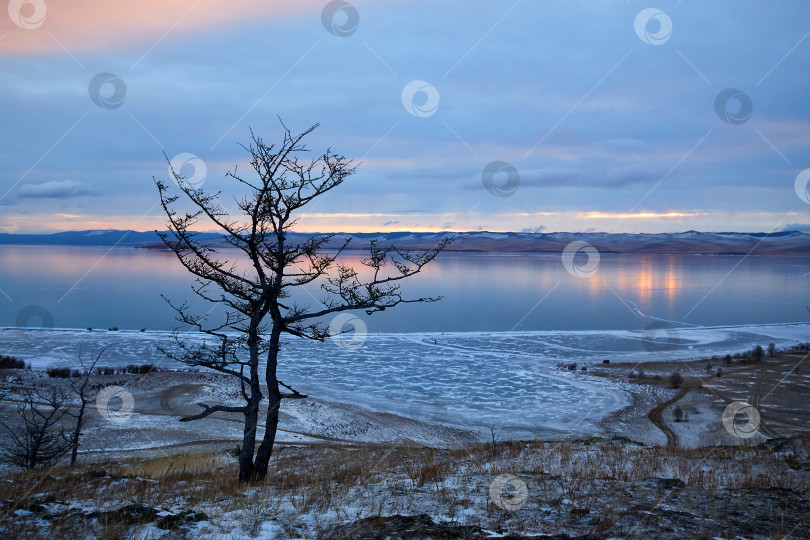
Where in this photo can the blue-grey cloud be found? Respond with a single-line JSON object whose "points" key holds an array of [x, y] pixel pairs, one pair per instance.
{"points": [[803, 227], [56, 189], [538, 229]]}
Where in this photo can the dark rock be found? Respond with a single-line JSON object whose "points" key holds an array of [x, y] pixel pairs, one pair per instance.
{"points": [[401, 528], [623, 439], [139, 514], [33, 504], [667, 483], [422, 527], [174, 521], [131, 514]]}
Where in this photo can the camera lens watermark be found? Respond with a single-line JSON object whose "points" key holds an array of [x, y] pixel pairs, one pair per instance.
{"points": [[108, 91], [340, 18], [111, 393], [571, 259], [728, 113], [27, 14], [743, 431], [172, 394], [349, 340], [34, 312], [800, 185], [658, 337], [420, 99], [500, 168], [653, 26], [186, 160], [508, 492]]}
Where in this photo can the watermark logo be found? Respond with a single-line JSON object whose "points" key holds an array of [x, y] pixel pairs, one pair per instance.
{"points": [[653, 26], [34, 312], [113, 394], [171, 394], [571, 259], [420, 98], [185, 161], [658, 337], [350, 339], [802, 181], [746, 430], [108, 91], [508, 492], [506, 188], [730, 114], [27, 14], [340, 18]]}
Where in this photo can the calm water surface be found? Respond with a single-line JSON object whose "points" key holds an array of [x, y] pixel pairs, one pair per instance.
{"points": [[83, 287]]}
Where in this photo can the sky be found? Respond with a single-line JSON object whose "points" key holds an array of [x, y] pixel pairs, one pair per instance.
{"points": [[536, 116]]}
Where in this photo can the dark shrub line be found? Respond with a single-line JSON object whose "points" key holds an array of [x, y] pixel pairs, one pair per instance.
{"points": [[135, 369], [11, 362]]}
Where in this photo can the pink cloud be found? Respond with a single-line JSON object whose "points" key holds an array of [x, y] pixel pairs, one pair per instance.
{"points": [[92, 25]]}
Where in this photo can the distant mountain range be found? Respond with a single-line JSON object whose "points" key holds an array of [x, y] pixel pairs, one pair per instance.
{"points": [[690, 242]]}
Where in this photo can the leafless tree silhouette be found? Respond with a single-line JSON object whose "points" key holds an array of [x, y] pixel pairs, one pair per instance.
{"points": [[39, 438], [256, 295], [80, 388]]}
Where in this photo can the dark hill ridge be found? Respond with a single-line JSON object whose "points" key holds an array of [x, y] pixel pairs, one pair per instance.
{"points": [[689, 242]]}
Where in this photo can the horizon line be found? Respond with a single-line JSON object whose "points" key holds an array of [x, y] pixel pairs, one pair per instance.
{"points": [[443, 231]]}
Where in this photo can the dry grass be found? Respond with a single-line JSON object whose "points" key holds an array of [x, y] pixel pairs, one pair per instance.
{"points": [[349, 483]]}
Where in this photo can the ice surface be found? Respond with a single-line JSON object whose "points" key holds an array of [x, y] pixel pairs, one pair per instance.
{"points": [[507, 379]]}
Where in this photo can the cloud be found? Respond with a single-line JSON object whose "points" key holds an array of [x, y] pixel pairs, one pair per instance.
{"points": [[616, 177], [538, 229], [98, 25], [56, 189], [801, 227], [593, 177]]}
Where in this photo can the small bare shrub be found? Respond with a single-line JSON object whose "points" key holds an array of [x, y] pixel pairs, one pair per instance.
{"points": [[675, 379]]}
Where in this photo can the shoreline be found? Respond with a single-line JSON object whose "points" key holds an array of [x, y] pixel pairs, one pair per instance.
{"points": [[685, 326], [315, 421]]}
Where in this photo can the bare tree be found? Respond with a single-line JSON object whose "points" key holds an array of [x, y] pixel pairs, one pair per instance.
{"points": [[40, 437], [675, 379], [80, 388], [771, 349], [256, 296]]}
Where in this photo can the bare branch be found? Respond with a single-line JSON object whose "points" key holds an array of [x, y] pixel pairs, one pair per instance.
{"points": [[211, 410]]}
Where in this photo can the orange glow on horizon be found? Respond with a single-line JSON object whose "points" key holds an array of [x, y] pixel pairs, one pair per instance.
{"points": [[371, 222], [96, 25]]}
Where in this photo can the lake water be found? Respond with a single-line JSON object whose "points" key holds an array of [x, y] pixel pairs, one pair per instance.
{"points": [[82, 287], [484, 355]]}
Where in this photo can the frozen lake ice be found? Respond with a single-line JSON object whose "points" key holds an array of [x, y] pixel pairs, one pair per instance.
{"points": [[472, 379]]}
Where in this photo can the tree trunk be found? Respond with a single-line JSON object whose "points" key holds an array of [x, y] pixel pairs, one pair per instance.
{"points": [[78, 431], [271, 427], [274, 402], [246, 470]]}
